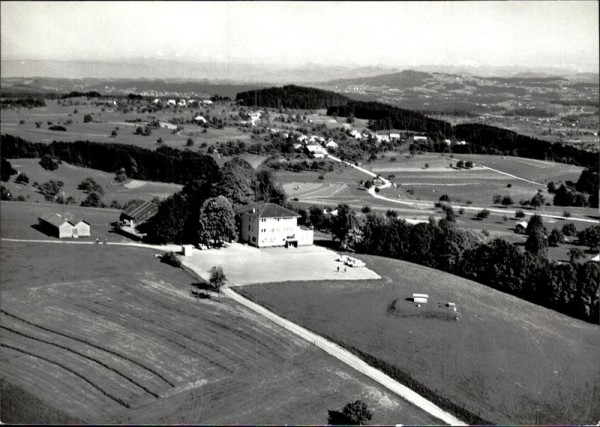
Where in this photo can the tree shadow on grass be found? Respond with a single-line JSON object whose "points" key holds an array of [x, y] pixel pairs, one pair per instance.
{"points": [[337, 418]]}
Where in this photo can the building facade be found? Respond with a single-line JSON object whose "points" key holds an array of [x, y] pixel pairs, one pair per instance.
{"points": [[268, 224]]}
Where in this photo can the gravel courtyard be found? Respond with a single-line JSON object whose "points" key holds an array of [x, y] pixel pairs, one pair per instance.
{"points": [[244, 265]]}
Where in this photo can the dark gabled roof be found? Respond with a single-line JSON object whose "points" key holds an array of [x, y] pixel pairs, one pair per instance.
{"points": [[53, 218], [140, 211], [268, 210]]}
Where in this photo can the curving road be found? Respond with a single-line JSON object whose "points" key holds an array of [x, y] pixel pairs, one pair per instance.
{"points": [[387, 184]]}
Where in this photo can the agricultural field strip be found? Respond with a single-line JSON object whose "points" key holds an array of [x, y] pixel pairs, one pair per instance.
{"points": [[83, 355], [68, 369], [349, 359], [90, 344], [387, 184]]}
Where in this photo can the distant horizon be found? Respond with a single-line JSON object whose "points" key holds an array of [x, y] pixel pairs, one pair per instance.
{"points": [[393, 35], [241, 72]]}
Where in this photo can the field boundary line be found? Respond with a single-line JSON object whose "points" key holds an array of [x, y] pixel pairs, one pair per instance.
{"points": [[114, 353], [349, 359]]}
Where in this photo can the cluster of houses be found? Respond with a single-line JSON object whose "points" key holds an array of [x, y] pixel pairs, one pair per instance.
{"points": [[182, 102]]}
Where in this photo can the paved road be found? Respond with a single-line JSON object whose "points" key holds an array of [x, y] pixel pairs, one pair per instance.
{"points": [[349, 359], [166, 248], [420, 205]]}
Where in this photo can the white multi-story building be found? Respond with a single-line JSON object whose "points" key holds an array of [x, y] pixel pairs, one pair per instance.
{"points": [[268, 224]]}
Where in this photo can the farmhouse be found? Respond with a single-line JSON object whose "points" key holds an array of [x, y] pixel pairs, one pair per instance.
{"points": [[332, 144], [200, 119], [206, 102], [394, 136], [63, 226], [316, 151], [268, 224], [521, 227], [419, 138]]}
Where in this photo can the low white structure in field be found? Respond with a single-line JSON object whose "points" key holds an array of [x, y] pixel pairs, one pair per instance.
{"points": [[420, 298]]}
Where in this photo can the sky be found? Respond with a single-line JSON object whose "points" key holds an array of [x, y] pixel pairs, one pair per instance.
{"points": [[528, 33]]}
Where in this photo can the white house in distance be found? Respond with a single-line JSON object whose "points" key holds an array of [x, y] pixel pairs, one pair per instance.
{"points": [[316, 151], [267, 224]]}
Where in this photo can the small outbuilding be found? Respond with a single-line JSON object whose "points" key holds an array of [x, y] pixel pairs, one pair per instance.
{"points": [[521, 227], [137, 213], [420, 298]]}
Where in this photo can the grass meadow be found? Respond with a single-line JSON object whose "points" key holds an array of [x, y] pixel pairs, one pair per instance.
{"points": [[503, 359]]}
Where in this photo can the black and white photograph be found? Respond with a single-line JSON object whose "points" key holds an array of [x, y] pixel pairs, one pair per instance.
{"points": [[300, 213]]}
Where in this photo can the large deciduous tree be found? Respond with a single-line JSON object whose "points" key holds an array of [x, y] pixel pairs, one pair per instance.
{"points": [[216, 222], [237, 182]]}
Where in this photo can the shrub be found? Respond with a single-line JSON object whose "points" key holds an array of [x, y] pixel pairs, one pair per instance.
{"points": [[482, 214], [48, 163], [171, 259], [58, 128], [22, 179], [366, 209], [520, 214], [569, 229], [567, 214], [87, 118], [444, 198]]}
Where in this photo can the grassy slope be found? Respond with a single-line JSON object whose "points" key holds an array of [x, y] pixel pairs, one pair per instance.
{"points": [[106, 121], [128, 324], [501, 360], [72, 177]]}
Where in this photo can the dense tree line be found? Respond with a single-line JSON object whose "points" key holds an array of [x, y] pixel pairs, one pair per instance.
{"points": [[76, 94], [484, 139], [6, 170], [22, 102], [385, 116], [568, 288], [291, 96], [163, 164]]}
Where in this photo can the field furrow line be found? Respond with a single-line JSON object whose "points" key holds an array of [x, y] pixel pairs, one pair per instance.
{"points": [[168, 339], [85, 356], [66, 368], [91, 344]]}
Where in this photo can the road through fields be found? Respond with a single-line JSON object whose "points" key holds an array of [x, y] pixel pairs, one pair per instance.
{"points": [[349, 359]]}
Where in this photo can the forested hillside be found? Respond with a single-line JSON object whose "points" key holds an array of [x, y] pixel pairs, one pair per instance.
{"points": [[384, 116], [163, 164], [291, 96]]}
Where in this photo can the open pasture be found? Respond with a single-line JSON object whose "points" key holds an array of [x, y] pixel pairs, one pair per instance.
{"points": [[109, 334], [503, 359], [72, 176], [541, 171], [107, 119]]}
